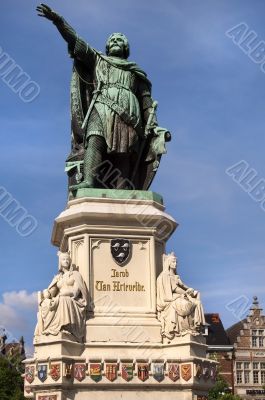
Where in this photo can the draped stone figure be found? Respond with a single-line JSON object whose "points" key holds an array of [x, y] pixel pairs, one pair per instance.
{"points": [[179, 307], [62, 307], [116, 140]]}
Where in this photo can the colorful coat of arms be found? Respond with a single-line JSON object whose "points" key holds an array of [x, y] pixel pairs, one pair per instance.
{"points": [[95, 372], [55, 371], [111, 371], [127, 371], [173, 371], [186, 371], [120, 250], [143, 371], [42, 372], [80, 372], [158, 371], [30, 373]]}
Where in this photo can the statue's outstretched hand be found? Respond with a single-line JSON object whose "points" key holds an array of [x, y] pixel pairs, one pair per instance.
{"points": [[45, 11]]}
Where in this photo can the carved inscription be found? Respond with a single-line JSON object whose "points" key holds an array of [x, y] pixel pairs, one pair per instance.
{"points": [[118, 285]]}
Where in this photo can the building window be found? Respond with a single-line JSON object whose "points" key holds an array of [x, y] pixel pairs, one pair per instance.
{"points": [[238, 377], [262, 375], [258, 338], [238, 365], [255, 365], [247, 365], [246, 376], [262, 365], [255, 376]]}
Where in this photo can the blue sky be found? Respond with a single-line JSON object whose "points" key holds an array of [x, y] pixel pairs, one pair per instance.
{"points": [[211, 97]]}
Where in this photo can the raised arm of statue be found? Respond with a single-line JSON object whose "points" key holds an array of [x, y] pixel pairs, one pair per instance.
{"points": [[77, 47]]}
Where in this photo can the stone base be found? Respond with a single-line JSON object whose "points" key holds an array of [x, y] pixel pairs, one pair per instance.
{"points": [[128, 394], [186, 353], [122, 327]]}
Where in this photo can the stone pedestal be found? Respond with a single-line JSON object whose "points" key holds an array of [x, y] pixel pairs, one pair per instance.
{"points": [[122, 328]]}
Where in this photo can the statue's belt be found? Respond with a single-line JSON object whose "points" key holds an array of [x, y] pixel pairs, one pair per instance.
{"points": [[128, 119], [116, 85]]}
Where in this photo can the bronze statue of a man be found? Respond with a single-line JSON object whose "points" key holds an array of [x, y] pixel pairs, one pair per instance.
{"points": [[113, 114]]}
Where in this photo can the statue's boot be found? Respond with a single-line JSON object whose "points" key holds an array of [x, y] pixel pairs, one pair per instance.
{"points": [[93, 157]]}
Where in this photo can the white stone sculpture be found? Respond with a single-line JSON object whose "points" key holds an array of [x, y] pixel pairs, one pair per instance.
{"points": [[62, 307], [179, 307]]}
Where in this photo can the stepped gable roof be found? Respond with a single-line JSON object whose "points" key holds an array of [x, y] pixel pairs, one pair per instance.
{"points": [[234, 330], [217, 335]]}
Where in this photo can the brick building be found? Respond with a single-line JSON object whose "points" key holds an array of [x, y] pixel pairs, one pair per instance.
{"points": [[248, 338], [219, 347]]}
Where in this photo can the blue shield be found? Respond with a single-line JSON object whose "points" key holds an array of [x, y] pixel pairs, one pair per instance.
{"points": [[42, 372], [158, 371]]}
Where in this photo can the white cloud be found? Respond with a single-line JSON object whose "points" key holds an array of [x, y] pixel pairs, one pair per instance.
{"points": [[16, 308], [21, 300]]}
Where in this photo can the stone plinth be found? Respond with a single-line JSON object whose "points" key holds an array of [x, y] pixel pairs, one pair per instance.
{"points": [[122, 328]]}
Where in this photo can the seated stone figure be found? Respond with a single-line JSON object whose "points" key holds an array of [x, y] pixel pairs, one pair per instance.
{"points": [[179, 307], [62, 307]]}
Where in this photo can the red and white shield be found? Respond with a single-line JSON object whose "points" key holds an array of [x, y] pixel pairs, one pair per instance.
{"points": [[80, 372], [55, 371], [143, 371], [111, 371], [173, 371], [30, 373]]}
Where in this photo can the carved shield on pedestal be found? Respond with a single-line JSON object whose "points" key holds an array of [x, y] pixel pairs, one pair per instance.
{"points": [[186, 371], [127, 371], [158, 371], [42, 372], [111, 371], [55, 371], [173, 371], [143, 371], [95, 372], [29, 374], [120, 250], [80, 372]]}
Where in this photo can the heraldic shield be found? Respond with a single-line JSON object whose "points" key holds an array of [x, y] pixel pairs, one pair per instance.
{"points": [[42, 372], [120, 250]]}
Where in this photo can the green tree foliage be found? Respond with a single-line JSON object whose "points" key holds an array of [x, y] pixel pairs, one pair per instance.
{"points": [[219, 391], [11, 382]]}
